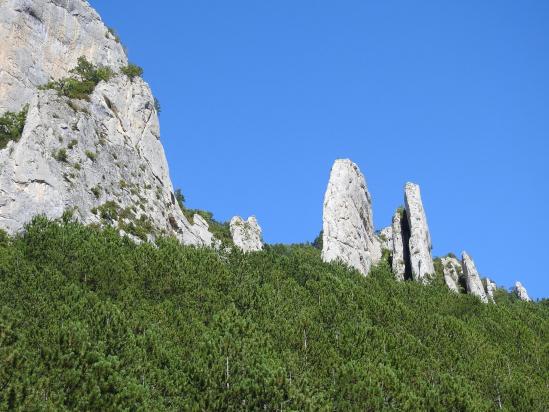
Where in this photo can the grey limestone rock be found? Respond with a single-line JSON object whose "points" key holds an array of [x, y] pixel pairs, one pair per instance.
{"points": [[472, 278], [246, 234], [348, 229]]}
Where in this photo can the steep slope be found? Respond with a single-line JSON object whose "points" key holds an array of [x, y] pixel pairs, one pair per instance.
{"points": [[94, 152], [91, 321]]}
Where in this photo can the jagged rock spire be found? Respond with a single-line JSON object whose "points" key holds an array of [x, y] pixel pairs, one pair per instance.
{"points": [[420, 246], [348, 229], [246, 234], [521, 292], [401, 236], [472, 278]]}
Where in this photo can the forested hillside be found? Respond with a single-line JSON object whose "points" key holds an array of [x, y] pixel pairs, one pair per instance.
{"points": [[91, 321]]}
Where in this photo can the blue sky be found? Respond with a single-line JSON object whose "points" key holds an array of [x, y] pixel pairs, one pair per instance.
{"points": [[259, 97]]}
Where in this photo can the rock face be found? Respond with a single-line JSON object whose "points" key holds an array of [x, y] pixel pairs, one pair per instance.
{"points": [[386, 238], [421, 260], [472, 278], [401, 236], [521, 292], [490, 288], [451, 269], [347, 219], [43, 39], [246, 234], [100, 158]]}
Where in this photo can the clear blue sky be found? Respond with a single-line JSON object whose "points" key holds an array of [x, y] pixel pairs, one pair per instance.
{"points": [[259, 97]]}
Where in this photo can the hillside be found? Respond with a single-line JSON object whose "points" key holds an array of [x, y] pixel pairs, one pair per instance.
{"points": [[92, 321]]}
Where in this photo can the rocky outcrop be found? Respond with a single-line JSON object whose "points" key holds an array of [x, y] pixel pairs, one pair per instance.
{"points": [[43, 39], [472, 278], [399, 247], [386, 238], [521, 292], [348, 229], [102, 159], [246, 234], [490, 288], [421, 261], [451, 268]]}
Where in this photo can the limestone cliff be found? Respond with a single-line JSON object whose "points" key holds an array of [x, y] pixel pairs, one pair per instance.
{"points": [[99, 157], [246, 234]]}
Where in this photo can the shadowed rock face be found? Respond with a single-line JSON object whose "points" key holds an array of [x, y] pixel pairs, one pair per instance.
{"points": [[246, 234], [401, 236], [451, 268], [421, 260], [521, 292], [472, 278], [348, 230], [81, 155]]}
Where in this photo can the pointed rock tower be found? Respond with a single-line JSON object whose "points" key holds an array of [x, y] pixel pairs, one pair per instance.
{"points": [[98, 155], [521, 292], [490, 288], [472, 278], [348, 229], [401, 253], [420, 246]]}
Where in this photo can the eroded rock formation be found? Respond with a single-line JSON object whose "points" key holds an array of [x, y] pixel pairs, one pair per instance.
{"points": [[348, 230], [490, 288], [100, 158], [451, 268], [401, 236], [420, 246], [472, 278], [386, 238], [521, 292], [246, 234]]}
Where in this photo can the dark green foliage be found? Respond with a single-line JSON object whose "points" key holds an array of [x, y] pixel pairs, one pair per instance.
{"points": [[132, 71], [92, 321], [318, 242], [221, 230], [11, 126], [61, 155], [85, 76], [157, 106], [91, 155]]}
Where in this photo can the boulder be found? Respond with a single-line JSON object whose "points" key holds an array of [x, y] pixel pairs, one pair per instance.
{"points": [[246, 234], [421, 260], [472, 278], [348, 229]]}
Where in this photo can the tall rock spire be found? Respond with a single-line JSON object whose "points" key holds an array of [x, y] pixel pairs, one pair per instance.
{"points": [[348, 229], [421, 260], [521, 292]]}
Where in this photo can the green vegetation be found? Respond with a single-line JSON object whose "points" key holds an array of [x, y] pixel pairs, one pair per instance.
{"points": [[11, 126], [91, 155], [114, 34], [91, 321], [61, 155], [72, 144], [157, 106], [221, 230], [132, 71], [85, 76]]}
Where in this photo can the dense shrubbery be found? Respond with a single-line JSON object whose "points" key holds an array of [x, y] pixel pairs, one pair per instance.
{"points": [[11, 126], [132, 70], [92, 321], [85, 76], [221, 230]]}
